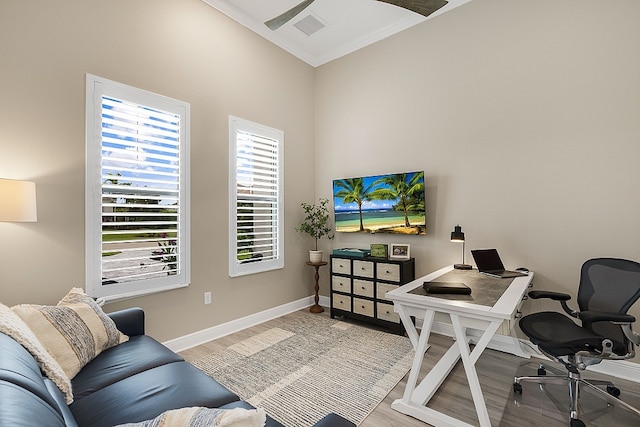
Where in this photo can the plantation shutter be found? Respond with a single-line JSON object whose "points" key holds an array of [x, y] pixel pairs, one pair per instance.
{"points": [[142, 198], [257, 196]]}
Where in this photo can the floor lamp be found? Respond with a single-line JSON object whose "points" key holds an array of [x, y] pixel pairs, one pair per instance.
{"points": [[17, 201], [458, 236]]}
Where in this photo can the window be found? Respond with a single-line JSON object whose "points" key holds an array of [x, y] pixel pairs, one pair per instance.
{"points": [[255, 198], [137, 191]]}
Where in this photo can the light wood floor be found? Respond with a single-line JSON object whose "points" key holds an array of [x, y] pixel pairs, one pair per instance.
{"points": [[496, 371]]}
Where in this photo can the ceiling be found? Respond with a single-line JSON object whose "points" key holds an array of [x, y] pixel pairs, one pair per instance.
{"points": [[348, 24]]}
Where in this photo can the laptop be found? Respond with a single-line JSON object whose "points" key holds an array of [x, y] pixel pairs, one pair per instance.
{"points": [[488, 262]]}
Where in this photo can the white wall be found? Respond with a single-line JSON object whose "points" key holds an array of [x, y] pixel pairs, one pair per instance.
{"points": [[525, 117], [538, 101], [182, 49]]}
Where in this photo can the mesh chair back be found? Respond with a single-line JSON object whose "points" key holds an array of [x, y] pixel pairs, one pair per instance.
{"points": [[609, 285]]}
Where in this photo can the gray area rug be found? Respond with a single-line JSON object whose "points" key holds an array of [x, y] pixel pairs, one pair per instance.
{"points": [[311, 366]]}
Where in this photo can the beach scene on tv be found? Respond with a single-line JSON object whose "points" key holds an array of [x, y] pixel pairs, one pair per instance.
{"points": [[392, 203]]}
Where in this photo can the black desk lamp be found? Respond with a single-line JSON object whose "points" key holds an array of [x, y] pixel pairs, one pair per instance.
{"points": [[458, 236]]}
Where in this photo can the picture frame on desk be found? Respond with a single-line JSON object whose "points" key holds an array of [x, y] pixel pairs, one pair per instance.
{"points": [[379, 250], [399, 251]]}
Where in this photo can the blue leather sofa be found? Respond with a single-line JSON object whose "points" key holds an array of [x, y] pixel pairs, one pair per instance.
{"points": [[131, 382]]}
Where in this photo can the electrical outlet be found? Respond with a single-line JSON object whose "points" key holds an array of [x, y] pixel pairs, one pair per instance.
{"points": [[207, 298]]}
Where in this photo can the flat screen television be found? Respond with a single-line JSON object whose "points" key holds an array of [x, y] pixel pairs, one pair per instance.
{"points": [[392, 203]]}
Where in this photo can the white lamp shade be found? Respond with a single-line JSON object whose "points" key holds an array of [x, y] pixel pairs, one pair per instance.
{"points": [[17, 201]]}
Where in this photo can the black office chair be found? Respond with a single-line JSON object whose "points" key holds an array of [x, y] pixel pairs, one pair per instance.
{"points": [[608, 288]]}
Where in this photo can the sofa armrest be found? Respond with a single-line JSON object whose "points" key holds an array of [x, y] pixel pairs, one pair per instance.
{"points": [[334, 420], [129, 321]]}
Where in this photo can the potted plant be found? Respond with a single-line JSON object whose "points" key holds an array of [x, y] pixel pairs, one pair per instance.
{"points": [[316, 224]]}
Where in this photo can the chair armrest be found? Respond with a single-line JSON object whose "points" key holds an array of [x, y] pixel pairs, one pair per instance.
{"points": [[129, 321], [556, 296], [599, 316]]}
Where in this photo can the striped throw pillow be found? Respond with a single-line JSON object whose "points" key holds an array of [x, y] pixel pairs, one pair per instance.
{"points": [[74, 332], [13, 326], [211, 417]]}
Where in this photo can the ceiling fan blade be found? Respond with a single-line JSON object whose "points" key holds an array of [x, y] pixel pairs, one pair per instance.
{"points": [[423, 7], [280, 20]]}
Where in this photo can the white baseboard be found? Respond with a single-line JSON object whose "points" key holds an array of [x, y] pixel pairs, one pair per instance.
{"points": [[200, 337], [618, 368], [615, 368]]}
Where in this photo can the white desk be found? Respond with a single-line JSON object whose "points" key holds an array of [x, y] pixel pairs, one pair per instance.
{"points": [[483, 311]]}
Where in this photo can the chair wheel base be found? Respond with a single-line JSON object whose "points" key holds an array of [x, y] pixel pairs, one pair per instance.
{"points": [[517, 388], [577, 423]]}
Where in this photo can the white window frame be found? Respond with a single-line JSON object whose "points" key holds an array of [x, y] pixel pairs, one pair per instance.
{"points": [[275, 259], [96, 286]]}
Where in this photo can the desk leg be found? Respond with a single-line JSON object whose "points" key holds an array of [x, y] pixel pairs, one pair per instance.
{"points": [[409, 327], [420, 348], [416, 397], [469, 360]]}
